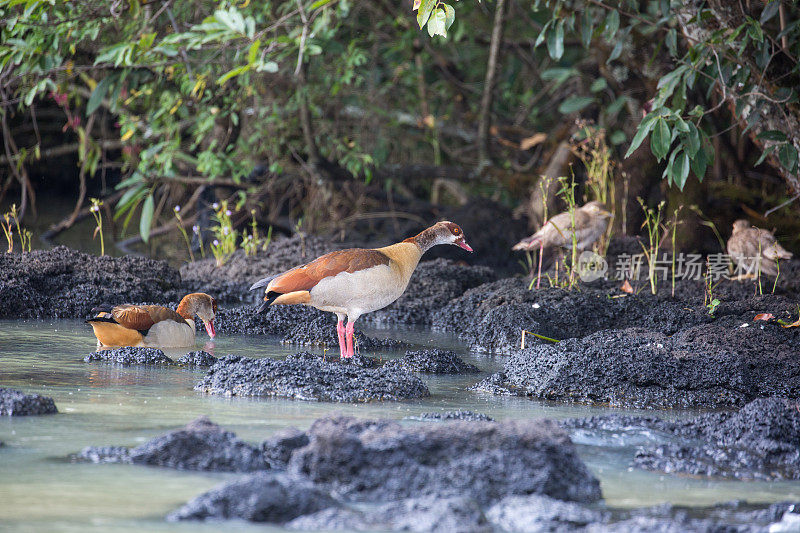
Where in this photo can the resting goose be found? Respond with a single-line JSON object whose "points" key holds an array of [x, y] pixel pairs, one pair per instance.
{"points": [[153, 325], [753, 249], [353, 282]]}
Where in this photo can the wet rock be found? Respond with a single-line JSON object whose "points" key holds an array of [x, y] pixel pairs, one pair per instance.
{"points": [[260, 497], [65, 283], [278, 449], [432, 361], [704, 366], [198, 358], [322, 332], [536, 513], [433, 284], [17, 403], [453, 415], [308, 377], [374, 460], [413, 514], [201, 445], [130, 356], [275, 320], [760, 441]]}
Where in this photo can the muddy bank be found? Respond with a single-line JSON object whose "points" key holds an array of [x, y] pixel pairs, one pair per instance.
{"points": [[64, 283], [305, 376], [17, 403], [200, 445], [453, 415], [432, 361], [130, 355], [704, 366], [759, 441]]}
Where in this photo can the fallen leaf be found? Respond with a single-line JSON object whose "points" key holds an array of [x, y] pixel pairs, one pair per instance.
{"points": [[795, 324], [764, 316], [626, 287], [529, 142]]}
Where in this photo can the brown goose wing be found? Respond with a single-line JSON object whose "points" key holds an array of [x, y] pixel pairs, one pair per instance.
{"points": [[143, 317], [305, 277]]}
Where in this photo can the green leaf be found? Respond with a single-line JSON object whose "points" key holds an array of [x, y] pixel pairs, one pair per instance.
{"points": [[573, 104], [96, 98], [691, 141], [787, 155], [598, 85], [587, 27], [618, 137], [660, 140], [269, 66], [644, 128], [555, 41], [611, 25], [437, 23], [450, 14], [231, 73], [680, 169], [318, 4], [252, 54], [559, 74], [772, 135], [699, 163], [615, 52], [146, 220], [766, 153], [424, 12]]}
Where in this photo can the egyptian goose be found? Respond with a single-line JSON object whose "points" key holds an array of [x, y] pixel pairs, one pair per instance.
{"points": [[754, 249], [353, 282], [153, 325]]}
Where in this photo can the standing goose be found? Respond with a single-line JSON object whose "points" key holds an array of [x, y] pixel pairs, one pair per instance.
{"points": [[153, 325], [353, 282], [754, 250]]}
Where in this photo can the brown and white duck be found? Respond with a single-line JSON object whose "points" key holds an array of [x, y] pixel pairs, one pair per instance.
{"points": [[591, 221], [153, 325], [353, 282], [755, 250]]}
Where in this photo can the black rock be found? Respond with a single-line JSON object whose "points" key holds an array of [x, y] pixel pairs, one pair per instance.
{"points": [[413, 514], [17, 403], [198, 358], [535, 513], [130, 356], [374, 460], [65, 283], [201, 445], [278, 449], [275, 320], [453, 415], [308, 377], [260, 497], [322, 332], [433, 361], [704, 366]]}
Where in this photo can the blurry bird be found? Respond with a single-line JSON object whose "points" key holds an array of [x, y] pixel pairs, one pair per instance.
{"points": [[591, 221], [353, 282], [754, 249]]}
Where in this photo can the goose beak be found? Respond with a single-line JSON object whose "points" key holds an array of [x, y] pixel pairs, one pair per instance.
{"points": [[463, 244], [210, 328]]}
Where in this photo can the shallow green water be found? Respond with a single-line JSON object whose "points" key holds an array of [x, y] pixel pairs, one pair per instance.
{"points": [[101, 404]]}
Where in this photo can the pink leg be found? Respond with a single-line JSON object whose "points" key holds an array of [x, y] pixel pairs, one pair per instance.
{"points": [[349, 331], [539, 275], [340, 332]]}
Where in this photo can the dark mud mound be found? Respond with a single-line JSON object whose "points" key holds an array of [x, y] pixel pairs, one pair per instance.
{"points": [[130, 355], [535, 512], [760, 441], [432, 361], [197, 359], [379, 460], [64, 283], [275, 320], [231, 281], [432, 286], [279, 448], [703, 366], [453, 415], [322, 332], [443, 515], [201, 445], [17, 403], [261, 497], [308, 377]]}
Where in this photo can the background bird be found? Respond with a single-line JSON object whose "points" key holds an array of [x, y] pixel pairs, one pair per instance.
{"points": [[153, 325], [353, 282], [753, 249], [591, 222]]}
